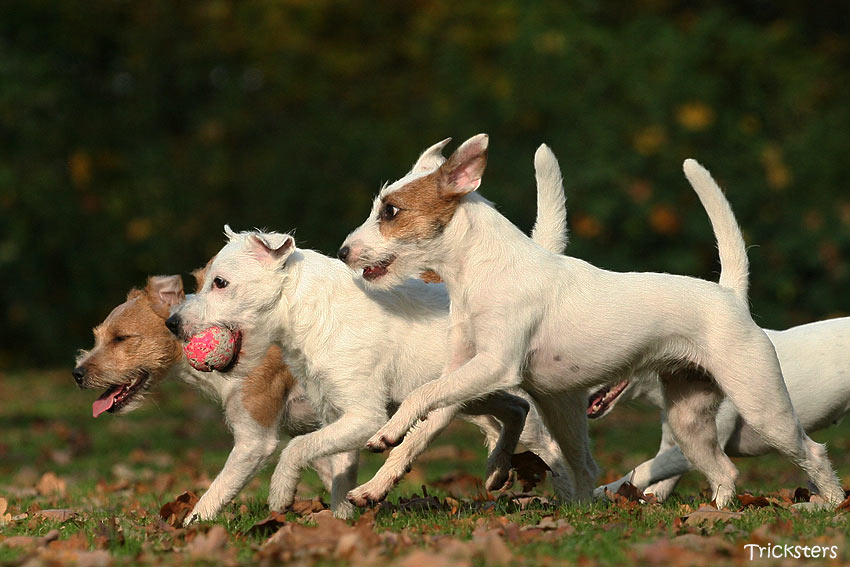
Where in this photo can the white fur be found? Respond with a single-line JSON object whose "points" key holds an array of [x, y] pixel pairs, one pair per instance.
{"points": [[555, 325], [815, 361], [254, 444], [356, 351]]}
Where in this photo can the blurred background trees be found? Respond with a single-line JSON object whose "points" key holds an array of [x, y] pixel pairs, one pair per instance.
{"points": [[130, 132]]}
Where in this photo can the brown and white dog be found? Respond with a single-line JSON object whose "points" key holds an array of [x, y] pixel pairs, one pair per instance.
{"points": [[134, 351]]}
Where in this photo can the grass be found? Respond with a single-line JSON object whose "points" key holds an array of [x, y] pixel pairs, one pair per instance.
{"points": [[118, 472]]}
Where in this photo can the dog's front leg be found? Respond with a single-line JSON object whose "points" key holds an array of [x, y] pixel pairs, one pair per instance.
{"points": [[347, 433], [253, 445], [401, 458], [484, 374]]}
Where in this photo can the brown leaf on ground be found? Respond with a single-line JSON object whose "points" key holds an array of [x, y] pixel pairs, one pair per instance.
{"points": [[421, 558], [270, 524], [30, 542], [330, 537], [750, 501], [174, 512], [306, 507], [530, 469], [687, 549], [208, 545], [56, 514], [49, 483], [76, 542], [709, 515]]}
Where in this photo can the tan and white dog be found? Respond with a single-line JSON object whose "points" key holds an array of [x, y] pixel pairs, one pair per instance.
{"points": [[557, 326], [358, 352], [134, 352]]}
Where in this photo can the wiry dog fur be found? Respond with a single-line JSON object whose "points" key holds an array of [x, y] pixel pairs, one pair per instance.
{"points": [[522, 315], [135, 351], [358, 352]]}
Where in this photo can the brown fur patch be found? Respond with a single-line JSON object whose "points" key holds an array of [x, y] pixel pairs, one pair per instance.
{"points": [[430, 276], [423, 212], [133, 337], [267, 388]]}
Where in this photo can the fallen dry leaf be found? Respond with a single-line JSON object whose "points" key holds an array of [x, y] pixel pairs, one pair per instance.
{"points": [[530, 469], [269, 524], [750, 501], [709, 515], [57, 514], [208, 545], [306, 507], [30, 542], [49, 483], [175, 512]]}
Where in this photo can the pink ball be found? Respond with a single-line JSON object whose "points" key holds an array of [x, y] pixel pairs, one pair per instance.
{"points": [[214, 348]]}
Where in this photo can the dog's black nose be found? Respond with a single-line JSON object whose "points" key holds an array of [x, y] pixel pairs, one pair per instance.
{"points": [[79, 373], [343, 253], [173, 324]]}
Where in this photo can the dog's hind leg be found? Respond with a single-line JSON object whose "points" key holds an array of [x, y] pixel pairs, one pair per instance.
{"points": [[751, 378], [691, 400], [564, 414], [511, 411]]}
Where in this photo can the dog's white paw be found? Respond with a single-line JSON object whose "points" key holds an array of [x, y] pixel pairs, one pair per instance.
{"points": [[498, 471], [724, 496], [344, 511], [370, 493], [193, 517], [380, 442], [281, 498]]}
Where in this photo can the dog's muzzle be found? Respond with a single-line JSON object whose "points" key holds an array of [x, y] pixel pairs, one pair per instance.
{"points": [[79, 374], [173, 324]]}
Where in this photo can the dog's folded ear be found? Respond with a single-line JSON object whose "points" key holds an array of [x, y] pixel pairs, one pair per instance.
{"points": [[431, 159], [164, 293], [271, 254], [461, 174]]}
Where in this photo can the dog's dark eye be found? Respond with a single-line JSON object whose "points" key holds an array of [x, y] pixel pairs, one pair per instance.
{"points": [[389, 212], [120, 338], [219, 282]]}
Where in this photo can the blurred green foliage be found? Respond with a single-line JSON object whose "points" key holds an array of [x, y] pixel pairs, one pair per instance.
{"points": [[130, 132]]}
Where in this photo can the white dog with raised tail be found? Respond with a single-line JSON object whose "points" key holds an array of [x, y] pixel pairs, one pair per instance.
{"points": [[557, 326], [359, 352]]}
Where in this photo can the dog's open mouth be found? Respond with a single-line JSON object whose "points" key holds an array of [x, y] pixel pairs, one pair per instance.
{"points": [[371, 273], [602, 399], [116, 397]]}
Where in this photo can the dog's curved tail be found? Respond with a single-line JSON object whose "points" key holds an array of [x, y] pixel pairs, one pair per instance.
{"points": [[550, 229], [734, 265]]}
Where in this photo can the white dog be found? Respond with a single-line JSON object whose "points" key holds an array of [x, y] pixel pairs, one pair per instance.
{"points": [[524, 316], [815, 361], [357, 352]]}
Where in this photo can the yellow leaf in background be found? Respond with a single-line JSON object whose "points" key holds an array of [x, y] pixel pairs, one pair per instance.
{"points": [[777, 173], [640, 190], [695, 115], [139, 229], [587, 226], [80, 167], [664, 219], [648, 140]]}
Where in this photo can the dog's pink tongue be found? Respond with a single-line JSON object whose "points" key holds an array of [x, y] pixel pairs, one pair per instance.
{"points": [[103, 403]]}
